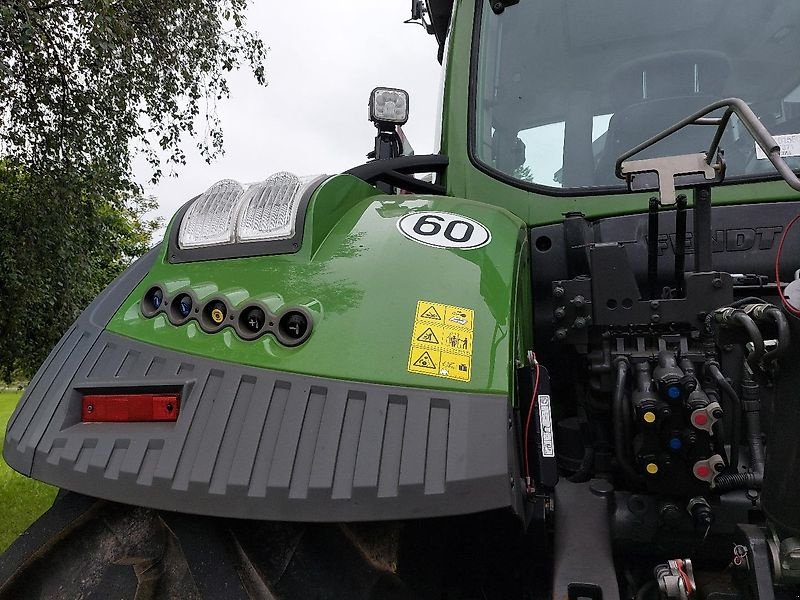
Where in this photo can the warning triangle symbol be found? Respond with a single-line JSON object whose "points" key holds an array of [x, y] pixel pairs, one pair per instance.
{"points": [[428, 337], [431, 313], [425, 361]]}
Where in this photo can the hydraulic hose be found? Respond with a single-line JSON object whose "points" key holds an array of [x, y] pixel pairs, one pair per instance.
{"points": [[734, 407], [776, 315], [784, 333], [621, 441], [738, 481], [754, 333], [751, 405]]}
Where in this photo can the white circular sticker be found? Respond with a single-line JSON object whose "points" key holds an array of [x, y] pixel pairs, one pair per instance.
{"points": [[444, 230]]}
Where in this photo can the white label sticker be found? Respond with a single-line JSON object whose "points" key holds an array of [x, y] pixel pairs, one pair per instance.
{"points": [[790, 146], [444, 230], [546, 427]]}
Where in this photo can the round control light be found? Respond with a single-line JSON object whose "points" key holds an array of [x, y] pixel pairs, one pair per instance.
{"points": [[215, 313], [183, 305], [649, 417], [253, 320], [153, 301], [157, 299], [293, 327], [652, 468]]}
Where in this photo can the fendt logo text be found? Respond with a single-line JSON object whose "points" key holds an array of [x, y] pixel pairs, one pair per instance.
{"points": [[728, 240]]}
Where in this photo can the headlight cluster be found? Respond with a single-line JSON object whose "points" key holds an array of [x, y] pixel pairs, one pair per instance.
{"points": [[227, 213], [253, 320]]}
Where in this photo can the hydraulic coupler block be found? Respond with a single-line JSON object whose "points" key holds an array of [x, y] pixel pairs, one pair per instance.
{"points": [[650, 409], [704, 412], [669, 377]]}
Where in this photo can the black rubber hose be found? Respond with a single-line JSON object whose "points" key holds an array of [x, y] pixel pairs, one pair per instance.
{"points": [[748, 300], [784, 336], [757, 455], [735, 408], [738, 481], [754, 333], [618, 404]]}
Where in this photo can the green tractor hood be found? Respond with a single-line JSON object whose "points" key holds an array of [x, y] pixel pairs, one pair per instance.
{"points": [[393, 402], [367, 288]]}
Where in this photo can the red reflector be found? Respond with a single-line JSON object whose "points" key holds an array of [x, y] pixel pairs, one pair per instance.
{"points": [[130, 408]]}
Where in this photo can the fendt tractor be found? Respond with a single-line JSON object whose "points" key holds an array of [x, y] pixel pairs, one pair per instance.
{"points": [[559, 358]]}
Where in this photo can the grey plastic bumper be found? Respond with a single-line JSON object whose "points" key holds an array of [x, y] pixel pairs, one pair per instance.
{"points": [[256, 444]]}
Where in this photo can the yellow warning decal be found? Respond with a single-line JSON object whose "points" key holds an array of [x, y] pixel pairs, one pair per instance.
{"points": [[444, 314], [441, 341]]}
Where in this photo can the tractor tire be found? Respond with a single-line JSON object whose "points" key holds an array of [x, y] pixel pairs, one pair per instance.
{"points": [[85, 548]]}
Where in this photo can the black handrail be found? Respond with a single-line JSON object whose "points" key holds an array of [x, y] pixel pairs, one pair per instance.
{"points": [[398, 171], [733, 106]]}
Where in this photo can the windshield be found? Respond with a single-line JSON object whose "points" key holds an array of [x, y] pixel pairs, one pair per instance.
{"points": [[565, 87]]}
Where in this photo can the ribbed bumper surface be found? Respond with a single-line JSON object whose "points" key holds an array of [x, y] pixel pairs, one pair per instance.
{"points": [[257, 444]]}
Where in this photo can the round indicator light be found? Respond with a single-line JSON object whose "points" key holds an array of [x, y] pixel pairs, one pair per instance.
{"points": [[652, 468], [184, 305], [674, 392], [253, 320], [153, 300], [676, 444], [649, 417], [701, 419], [293, 327]]}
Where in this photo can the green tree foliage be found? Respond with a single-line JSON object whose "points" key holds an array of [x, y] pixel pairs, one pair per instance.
{"points": [[84, 86]]}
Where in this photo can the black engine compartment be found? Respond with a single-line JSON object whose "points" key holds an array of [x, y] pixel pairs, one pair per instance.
{"points": [[674, 403]]}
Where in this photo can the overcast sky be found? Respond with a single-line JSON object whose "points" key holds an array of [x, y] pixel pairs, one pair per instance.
{"points": [[325, 57]]}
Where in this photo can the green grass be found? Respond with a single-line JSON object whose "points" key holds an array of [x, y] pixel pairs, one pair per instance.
{"points": [[22, 500]]}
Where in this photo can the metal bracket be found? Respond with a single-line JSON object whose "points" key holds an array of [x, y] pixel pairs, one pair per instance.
{"points": [[670, 167], [498, 6]]}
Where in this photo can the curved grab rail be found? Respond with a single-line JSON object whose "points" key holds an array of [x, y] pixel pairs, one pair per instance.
{"points": [[733, 106]]}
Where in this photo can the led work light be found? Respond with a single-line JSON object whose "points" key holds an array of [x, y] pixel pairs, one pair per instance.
{"points": [[388, 107]]}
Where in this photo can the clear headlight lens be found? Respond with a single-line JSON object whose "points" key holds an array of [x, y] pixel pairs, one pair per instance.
{"points": [[226, 213], [269, 208], [210, 219]]}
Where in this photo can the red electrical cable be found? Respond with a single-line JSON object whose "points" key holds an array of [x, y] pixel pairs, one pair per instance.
{"points": [[786, 304], [534, 398]]}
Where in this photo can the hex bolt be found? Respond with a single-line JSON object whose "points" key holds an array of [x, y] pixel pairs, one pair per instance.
{"points": [[655, 304], [558, 292], [579, 301], [717, 283], [655, 318], [580, 323], [561, 334], [560, 313]]}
